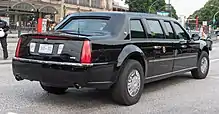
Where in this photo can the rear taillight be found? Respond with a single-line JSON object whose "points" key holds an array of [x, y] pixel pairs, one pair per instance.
{"points": [[17, 53], [86, 52]]}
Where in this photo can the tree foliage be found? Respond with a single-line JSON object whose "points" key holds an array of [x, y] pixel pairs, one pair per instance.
{"points": [[207, 12], [174, 13], [144, 6]]}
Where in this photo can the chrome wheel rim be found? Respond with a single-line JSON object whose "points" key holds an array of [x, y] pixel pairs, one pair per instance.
{"points": [[134, 83], [204, 65]]}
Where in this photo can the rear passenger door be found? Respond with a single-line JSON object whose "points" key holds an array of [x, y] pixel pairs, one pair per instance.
{"points": [[161, 48], [185, 50], [138, 34]]}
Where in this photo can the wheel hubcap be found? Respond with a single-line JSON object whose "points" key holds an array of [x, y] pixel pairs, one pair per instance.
{"points": [[204, 65], [134, 83]]}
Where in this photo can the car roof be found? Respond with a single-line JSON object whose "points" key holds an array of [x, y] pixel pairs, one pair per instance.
{"points": [[128, 14]]}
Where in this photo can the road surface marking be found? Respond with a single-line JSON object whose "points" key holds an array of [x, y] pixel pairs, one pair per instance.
{"points": [[214, 60], [11, 113]]}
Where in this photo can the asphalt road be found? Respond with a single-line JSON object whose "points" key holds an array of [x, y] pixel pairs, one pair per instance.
{"points": [[177, 95]]}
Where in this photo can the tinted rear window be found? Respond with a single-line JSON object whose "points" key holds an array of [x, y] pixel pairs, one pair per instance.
{"points": [[156, 29], [85, 24]]}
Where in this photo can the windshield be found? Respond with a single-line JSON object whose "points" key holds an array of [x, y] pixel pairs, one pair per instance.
{"points": [[84, 25]]}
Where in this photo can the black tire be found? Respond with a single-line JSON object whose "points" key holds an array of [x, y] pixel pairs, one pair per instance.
{"points": [[197, 73], [120, 92], [54, 90]]}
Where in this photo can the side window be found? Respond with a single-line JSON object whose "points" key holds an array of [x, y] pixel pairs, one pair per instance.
{"points": [[170, 30], [137, 30], [181, 34], [156, 29]]}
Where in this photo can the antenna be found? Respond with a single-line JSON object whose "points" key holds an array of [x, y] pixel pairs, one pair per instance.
{"points": [[78, 21]]}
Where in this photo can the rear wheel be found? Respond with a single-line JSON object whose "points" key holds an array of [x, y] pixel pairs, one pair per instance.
{"points": [[53, 90], [129, 87], [203, 67]]}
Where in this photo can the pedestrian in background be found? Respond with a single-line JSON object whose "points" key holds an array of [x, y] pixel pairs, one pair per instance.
{"points": [[3, 40]]}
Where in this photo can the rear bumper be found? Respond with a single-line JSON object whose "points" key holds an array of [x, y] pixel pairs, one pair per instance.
{"points": [[63, 74]]}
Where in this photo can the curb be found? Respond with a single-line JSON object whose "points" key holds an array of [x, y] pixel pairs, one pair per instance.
{"points": [[3, 62]]}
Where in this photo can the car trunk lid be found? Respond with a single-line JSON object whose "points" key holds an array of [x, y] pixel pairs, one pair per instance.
{"points": [[55, 47]]}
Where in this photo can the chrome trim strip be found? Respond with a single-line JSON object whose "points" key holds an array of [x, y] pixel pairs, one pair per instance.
{"points": [[57, 63], [173, 58], [159, 60], [190, 56], [156, 76]]}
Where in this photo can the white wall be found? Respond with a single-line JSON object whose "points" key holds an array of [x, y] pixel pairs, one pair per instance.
{"points": [[121, 3]]}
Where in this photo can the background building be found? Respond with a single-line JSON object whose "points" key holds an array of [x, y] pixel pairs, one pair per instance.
{"points": [[120, 5], [182, 20], [24, 14]]}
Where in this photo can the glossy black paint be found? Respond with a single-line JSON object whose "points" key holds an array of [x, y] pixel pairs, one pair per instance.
{"points": [[159, 57], [187, 52], [162, 50], [65, 76]]}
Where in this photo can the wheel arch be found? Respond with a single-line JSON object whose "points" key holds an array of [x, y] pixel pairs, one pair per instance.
{"points": [[205, 48], [135, 53]]}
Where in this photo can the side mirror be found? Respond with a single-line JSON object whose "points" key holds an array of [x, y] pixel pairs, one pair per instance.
{"points": [[195, 37]]}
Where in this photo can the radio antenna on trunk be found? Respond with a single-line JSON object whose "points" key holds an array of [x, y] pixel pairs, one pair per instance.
{"points": [[78, 21]]}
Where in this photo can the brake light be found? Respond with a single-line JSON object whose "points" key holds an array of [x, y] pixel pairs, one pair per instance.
{"points": [[17, 53], [86, 52]]}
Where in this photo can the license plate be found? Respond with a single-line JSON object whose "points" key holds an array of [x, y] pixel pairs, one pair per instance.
{"points": [[46, 48]]}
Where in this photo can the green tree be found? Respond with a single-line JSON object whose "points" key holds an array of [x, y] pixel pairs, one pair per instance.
{"points": [[207, 12], [144, 6], [174, 15]]}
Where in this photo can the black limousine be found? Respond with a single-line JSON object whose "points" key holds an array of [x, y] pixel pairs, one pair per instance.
{"points": [[117, 51]]}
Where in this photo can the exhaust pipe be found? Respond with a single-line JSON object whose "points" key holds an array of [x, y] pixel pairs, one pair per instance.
{"points": [[77, 86]]}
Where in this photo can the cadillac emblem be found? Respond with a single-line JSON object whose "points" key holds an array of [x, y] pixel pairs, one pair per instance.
{"points": [[46, 39], [164, 49]]}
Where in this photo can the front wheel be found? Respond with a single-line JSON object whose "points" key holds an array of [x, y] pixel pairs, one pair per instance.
{"points": [[203, 66], [53, 90], [130, 84]]}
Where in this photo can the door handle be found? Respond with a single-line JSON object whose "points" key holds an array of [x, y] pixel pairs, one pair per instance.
{"points": [[182, 42], [183, 46], [157, 47]]}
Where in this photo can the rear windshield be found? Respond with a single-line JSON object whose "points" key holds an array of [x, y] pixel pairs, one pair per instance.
{"points": [[85, 24]]}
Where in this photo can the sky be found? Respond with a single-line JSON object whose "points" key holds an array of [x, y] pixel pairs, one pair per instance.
{"points": [[187, 7]]}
